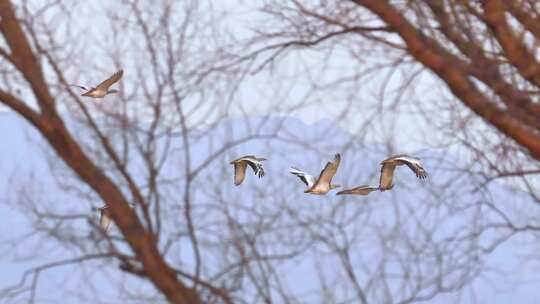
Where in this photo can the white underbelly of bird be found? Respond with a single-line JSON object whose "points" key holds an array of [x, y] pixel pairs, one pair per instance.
{"points": [[96, 93]]}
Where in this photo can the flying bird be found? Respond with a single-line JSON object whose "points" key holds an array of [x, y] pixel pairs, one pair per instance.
{"points": [[240, 165], [387, 174], [323, 184], [390, 164], [104, 218], [102, 89], [360, 190]]}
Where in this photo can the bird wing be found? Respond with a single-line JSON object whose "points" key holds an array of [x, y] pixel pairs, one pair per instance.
{"points": [[304, 177], [104, 219], [80, 87], [417, 168], [397, 157], [329, 170], [256, 166], [413, 163], [239, 172], [110, 81], [387, 174], [360, 190]]}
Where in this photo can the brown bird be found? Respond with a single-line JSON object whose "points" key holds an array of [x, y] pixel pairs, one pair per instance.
{"points": [[240, 165], [360, 190], [387, 174], [323, 184], [102, 89]]}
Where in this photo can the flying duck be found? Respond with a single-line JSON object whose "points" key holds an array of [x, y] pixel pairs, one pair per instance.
{"points": [[102, 89], [323, 184], [387, 174], [240, 165]]}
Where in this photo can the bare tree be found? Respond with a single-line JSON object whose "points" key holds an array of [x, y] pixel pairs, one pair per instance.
{"points": [[478, 52], [48, 121], [164, 144], [485, 59]]}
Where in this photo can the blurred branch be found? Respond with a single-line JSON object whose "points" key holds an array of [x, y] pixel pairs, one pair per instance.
{"points": [[54, 130], [451, 69], [35, 273]]}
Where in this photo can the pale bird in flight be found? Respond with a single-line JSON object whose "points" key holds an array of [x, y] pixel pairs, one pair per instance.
{"points": [[390, 164], [102, 89], [104, 218], [387, 174], [323, 184], [241, 164]]}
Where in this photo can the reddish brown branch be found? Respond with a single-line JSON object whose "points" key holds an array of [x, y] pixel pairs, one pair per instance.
{"points": [[451, 70], [514, 49], [483, 68], [531, 23], [53, 129]]}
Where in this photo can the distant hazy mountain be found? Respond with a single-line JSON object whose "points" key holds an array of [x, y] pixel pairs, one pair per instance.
{"points": [[295, 143]]}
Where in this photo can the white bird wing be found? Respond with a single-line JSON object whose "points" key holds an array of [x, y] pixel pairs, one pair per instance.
{"points": [[418, 169], [387, 175], [307, 179], [360, 190], [415, 165], [104, 86], [329, 171], [104, 219], [255, 164]]}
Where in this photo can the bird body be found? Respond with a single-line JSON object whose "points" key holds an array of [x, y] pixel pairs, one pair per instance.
{"points": [[95, 93], [102, 89], [240, 165], [323, 184]]}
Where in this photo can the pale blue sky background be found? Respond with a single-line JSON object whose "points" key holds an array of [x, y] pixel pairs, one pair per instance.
{"points": [[513, 281], [20, 160]]}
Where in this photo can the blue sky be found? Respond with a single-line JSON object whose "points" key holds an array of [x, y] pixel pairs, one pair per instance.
{"points": [[21, 160], [23, 165]]}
